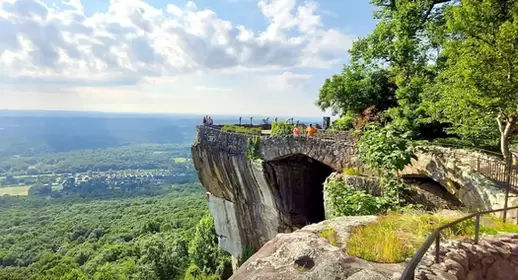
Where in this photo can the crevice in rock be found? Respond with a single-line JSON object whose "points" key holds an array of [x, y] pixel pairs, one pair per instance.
{"points": [[430, 194]]}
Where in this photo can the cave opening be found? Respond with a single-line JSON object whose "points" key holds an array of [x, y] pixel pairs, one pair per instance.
{"points": [[299, 182]]}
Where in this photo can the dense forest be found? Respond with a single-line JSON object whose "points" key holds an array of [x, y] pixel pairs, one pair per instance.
{"points": [[141, 156], [157, 237]]}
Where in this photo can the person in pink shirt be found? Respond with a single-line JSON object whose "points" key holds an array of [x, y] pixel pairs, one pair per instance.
{"points": [[296, 131]]}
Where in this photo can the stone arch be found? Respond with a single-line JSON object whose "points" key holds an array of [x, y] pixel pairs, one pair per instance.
{"points": [[298, 180], [472, 189]]}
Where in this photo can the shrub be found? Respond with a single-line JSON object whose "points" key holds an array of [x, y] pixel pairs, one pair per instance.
{"points": [[345, 123], [282, 128], [348, 201], [252, 149], [241, 129]]}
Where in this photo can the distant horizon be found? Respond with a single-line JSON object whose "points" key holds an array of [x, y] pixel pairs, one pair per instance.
{"points": [[194, 115]]}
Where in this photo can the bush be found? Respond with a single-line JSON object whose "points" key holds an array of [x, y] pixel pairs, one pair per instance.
{"points": [[252, 149], [348, 201], [345, 123], [282, 128], [241, 129]]}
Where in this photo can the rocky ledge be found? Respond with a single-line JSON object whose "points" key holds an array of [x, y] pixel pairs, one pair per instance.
{"points": [[304, 254]]}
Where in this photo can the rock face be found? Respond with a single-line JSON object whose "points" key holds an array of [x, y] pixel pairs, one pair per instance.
{"points": [[494, 258], [457, 175], [253, 200], [304, 254], [281, 191]]}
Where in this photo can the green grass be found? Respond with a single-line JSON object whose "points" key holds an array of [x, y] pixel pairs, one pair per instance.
{"points": [[396, 236], [15, 191], [330, 235], [352, 172], [241, 129]]}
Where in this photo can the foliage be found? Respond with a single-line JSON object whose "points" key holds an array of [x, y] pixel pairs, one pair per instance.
{"points": [[385, 149], [396, 236], [242, 129], [143, 156], [282, 128], [478, 84], [352, 172], [253, 150], [345, 200], [344, 123], [132, 238], [357, 88]]}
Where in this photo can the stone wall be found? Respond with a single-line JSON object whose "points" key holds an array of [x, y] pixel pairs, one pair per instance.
{"points": [[494, 258]]}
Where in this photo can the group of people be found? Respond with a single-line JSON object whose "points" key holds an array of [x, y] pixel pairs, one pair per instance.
{"points": [[310, 130], [207, 120]]}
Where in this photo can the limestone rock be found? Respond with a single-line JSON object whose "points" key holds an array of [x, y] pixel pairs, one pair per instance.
{"points": [[304, 254]]}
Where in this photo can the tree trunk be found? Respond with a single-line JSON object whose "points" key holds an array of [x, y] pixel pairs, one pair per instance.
{"points": [[506, 126]]}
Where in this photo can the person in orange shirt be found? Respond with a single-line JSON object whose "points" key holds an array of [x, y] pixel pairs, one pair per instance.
{"points": [[296, 131], [310, 131]]}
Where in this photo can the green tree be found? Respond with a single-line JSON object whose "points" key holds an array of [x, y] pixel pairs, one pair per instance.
{"points": [[357, 88], [204, 251], [481, 69], [398, 60]]}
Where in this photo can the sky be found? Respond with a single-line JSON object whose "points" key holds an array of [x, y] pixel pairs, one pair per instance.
{"points": [[252, 57]]}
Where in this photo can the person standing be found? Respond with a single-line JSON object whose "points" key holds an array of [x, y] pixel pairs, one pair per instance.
{"points": [[296, 130], [310, 131]]}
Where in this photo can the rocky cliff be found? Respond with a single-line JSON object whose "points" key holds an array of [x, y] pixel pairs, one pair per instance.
{"points": [[279, 187], [252, 200]]}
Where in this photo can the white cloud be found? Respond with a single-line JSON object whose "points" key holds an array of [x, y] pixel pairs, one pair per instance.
{"points": [[133, 41]]}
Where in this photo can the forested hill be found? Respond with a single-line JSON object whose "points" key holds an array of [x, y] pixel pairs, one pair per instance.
{"points": [[34, 133]]}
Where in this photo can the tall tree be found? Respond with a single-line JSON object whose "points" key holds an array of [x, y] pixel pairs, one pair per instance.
{"points": [[405, 44], [480, 74]]}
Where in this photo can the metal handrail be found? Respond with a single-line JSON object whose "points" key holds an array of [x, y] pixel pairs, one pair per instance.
{"points": [[409, 272]]}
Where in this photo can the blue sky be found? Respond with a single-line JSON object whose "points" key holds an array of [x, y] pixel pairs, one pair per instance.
{"points": [[265, 57]]}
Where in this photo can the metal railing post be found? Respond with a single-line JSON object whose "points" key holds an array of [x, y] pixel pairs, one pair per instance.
{"points": [[477, 228], [437, 247]]}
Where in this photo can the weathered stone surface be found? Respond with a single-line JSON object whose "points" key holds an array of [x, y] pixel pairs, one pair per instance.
{"points": [[491, 259], [457, 175], [253, 200], [303, 254]]}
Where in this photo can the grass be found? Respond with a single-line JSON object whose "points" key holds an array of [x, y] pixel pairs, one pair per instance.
{"points": [[330, 235], [396, 236], [352, 172], [241, 129], [15, 191]]}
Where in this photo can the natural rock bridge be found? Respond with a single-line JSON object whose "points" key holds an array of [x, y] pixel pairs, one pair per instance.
{"points": [[253, 200]]}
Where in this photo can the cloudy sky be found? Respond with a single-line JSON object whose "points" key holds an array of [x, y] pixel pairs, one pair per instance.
{"points": [[265, 57]]}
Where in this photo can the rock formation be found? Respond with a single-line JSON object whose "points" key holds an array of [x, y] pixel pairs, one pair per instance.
{"points": [[304, 254], [254, 197]]}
